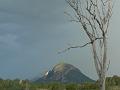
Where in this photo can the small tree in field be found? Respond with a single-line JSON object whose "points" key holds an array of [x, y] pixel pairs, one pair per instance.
{"points": [[94, 17]]}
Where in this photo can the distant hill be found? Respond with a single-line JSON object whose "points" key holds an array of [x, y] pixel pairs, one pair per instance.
{"points": [[65, 73]]}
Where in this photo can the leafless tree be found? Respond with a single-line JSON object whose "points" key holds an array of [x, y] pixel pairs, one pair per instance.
{"points": [[94, 17]]}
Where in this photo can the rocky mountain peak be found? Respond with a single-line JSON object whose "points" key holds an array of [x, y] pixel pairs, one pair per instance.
{"points": [[64, 73]]}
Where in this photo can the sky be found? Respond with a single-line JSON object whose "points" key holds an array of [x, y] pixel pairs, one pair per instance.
{"points": [[33, 31]]}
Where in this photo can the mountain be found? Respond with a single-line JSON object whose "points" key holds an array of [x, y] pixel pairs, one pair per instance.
{"points": [[64, 73]]}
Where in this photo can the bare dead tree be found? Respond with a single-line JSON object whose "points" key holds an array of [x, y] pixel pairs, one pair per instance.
{"points": [[94, 17]]}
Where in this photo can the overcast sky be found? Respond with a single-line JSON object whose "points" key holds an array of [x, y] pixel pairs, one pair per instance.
{"points": [[33, 31]]}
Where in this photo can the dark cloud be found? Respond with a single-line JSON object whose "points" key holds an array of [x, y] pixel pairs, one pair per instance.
{"points": [[28, 32], [31, 34]]}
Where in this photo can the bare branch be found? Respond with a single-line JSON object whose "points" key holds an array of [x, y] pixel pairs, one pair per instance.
{"points": [[108, 65], [67, 49], [94, 17], [72, 47]]}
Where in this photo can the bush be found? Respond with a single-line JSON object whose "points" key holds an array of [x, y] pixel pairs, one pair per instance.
{"points": [[72, 87]]}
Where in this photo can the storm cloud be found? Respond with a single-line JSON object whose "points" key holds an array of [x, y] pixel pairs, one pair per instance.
{"points": [[33, 31]]}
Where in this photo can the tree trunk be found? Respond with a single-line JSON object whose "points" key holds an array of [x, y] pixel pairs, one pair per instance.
{"points": [[102, 84], [103, 71], [100, 67]]}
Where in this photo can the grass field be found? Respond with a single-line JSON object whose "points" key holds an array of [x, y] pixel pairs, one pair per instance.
{"points": [[112, 83]]}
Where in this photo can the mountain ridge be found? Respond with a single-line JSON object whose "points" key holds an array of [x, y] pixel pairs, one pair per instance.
{"points": [[64, 73]]}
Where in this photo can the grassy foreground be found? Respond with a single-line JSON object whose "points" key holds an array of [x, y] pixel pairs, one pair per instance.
{"points": [[112, 83]]}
